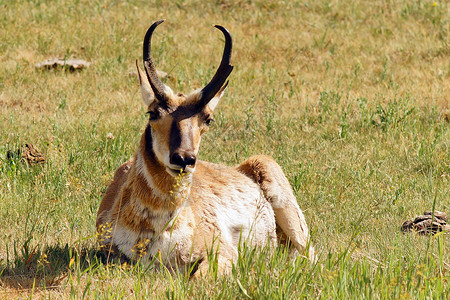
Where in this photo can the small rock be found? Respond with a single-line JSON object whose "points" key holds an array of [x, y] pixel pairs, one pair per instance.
{"points": [[438, 214], [70, 64], [161, 74], [425, 224], [29, 153]]}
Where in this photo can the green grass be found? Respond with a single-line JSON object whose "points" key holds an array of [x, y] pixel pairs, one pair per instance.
{"points": [[352, 99]]}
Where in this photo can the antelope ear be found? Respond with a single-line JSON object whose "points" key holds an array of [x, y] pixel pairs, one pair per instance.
{"points": [[215, 100], [146, 90]]}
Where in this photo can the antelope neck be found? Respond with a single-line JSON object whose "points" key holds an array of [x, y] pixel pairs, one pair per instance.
{"points": [[162, 185]]}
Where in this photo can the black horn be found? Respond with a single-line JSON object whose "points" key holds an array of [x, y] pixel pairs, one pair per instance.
{"points": [[222, 73], [155, 82]]}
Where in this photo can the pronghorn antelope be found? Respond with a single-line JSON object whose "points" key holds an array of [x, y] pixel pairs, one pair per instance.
{"points": [[166, 204]]}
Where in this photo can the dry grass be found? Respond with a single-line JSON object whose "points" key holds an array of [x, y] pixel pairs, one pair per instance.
{"points": [[351, 98]]}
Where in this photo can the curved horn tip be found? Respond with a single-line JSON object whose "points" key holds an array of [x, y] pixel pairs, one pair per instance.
{"points": [[221, 28], [152, 76], [154, 25], [159, 21], [147, 39]]}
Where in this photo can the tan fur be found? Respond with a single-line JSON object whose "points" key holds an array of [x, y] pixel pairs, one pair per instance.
{"points": [[256, 191], [153, 210]]}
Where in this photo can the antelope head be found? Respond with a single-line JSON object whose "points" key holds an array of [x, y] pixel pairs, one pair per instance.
{"points": [[177, 121]]}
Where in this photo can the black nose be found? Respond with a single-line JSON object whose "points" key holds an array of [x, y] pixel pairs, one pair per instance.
{"points": [[183, 160]]}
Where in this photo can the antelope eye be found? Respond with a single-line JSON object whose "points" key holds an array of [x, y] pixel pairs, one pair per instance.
{"points": [[153, 115], [209, 121]]}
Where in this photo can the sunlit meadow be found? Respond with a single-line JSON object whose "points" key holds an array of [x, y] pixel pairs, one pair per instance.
{"points": [[350, 97]]}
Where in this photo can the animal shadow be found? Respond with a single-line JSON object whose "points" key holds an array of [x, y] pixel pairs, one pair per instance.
{"points": [[46, 268]]}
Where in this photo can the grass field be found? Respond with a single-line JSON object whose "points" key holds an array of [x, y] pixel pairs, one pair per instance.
{"points": [[350, 97]]}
